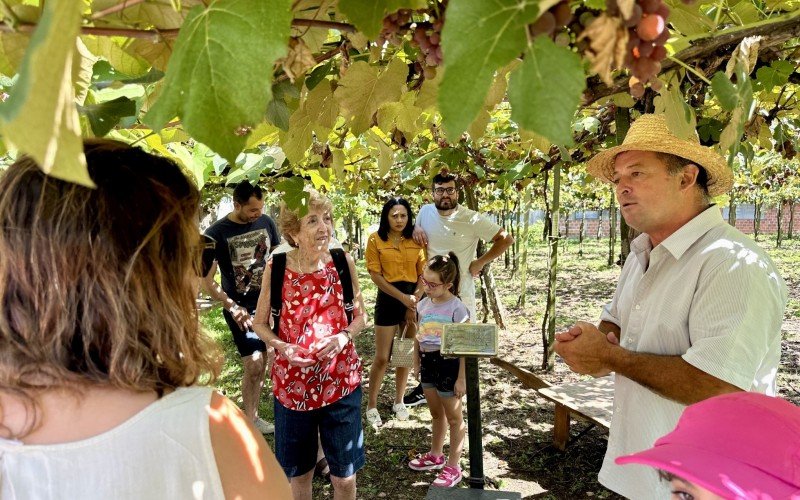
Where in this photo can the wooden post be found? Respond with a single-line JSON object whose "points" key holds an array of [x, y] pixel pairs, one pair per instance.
{"points": [[561, 427], [474, 433]]}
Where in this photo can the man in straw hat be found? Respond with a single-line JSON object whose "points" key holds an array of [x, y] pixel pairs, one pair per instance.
{"points": [[698, 308]]}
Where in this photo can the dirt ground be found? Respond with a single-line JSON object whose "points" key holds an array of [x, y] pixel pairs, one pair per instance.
{"points": [[517, 425]]}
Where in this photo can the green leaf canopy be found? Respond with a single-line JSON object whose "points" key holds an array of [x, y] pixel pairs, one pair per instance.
{"points": [[212, 82], [546, 90]]}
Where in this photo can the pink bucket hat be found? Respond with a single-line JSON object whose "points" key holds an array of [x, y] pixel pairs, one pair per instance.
{"points": [[741, 445]]}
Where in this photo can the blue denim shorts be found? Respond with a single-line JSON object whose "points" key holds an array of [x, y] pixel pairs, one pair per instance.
{"points": [[340, 431], [439, 372]]}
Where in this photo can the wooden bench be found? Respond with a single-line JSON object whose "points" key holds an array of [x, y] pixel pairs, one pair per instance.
{"points": [[591, 400]]}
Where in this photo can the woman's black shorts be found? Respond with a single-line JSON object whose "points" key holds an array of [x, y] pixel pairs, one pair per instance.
{"points": [[388, 310]]}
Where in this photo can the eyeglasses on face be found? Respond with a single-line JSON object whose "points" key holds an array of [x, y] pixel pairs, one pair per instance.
{"points": [[428, 283], [440, 191]]}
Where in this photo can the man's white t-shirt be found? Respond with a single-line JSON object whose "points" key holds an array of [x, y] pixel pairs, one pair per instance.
{"points": [[459, 233]]}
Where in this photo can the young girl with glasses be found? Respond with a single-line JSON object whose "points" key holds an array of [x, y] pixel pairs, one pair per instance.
{"points": [[443, 379]]}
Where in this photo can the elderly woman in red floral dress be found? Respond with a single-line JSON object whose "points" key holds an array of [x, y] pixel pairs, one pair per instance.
{"points": [[317, 372]]}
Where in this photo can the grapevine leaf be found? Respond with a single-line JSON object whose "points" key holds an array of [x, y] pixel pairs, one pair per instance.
{"points": [[338, 163], [299, 59], [608, 39], [106, 115], [316, 115], [12, 50], [429, 92], [385, 153], [774, 75], [155, 53], [364, 88], [218, 77], [294, 195], [368, 16], [496, 93], [40, 117], [402, 114], [725, 91], [688, 20], [730, 138], [106, 48], [679, 115], [534, 140], [626, 8], [746, 54], [496, 35], [546, 90], [161, 15], [82, 71]]}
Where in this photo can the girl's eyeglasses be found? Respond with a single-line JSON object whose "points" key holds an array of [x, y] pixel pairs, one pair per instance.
{"points": [[428, 283]]}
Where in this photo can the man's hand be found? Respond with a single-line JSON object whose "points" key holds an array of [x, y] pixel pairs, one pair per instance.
{"points": [[475, 268], [420, 237], [568, 335], [296, 355], [241, 317], [586, 349], [575, 330]]}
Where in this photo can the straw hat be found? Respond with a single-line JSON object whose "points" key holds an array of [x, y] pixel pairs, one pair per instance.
{"points": [[650, 133]]}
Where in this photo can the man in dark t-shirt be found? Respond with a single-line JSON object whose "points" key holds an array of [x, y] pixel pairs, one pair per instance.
{"points": [[243, 241]]}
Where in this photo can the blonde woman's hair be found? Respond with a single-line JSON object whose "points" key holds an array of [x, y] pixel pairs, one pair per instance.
{"points": [[97, 286], [289, 220]]}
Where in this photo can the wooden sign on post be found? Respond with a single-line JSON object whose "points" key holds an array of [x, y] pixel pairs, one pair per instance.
{"points": [[469, 339]]}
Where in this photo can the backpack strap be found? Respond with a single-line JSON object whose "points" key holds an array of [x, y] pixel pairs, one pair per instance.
{"points": [[276, 289], [340, 261]]}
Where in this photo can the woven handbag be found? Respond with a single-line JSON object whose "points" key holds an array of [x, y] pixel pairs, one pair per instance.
{"points": [[402, 355]]}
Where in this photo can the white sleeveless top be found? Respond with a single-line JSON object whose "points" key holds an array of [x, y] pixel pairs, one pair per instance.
{"points": [[164, 451]]}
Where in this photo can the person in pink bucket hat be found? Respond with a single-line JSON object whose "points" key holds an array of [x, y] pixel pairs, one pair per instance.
{"points": [[742, 445]]}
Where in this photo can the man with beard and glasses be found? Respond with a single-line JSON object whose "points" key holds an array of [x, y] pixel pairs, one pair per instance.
{"points": [[445, 226], [243, 241]]}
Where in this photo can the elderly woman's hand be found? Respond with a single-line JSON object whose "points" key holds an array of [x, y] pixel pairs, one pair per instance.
{"points": [[296, 355], [330, 347]]}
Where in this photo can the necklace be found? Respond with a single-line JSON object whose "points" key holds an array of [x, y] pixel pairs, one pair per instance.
{"points": [[307, 265], [396, 239]]}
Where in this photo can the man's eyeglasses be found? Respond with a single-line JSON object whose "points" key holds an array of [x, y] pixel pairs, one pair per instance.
{"points": [[428, 283], [440, 191]]}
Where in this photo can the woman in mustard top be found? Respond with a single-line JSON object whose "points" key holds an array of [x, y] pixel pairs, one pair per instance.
{"points": [[395, 262]]}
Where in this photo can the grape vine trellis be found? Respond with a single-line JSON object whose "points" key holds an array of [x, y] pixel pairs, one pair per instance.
{"points": [[366, 94]]}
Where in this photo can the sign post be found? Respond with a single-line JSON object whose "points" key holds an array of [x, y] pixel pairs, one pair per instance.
{"points": [[471, 341]]}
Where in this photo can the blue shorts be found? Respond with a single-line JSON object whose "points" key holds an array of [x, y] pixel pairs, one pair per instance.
{"points": [[340, 431], [439, 372]]}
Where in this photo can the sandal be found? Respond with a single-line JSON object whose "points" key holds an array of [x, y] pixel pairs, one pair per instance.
{"points": [[321, 469]]}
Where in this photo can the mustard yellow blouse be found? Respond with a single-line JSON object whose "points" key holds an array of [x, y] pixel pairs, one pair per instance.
{"points": [[395, 263]]}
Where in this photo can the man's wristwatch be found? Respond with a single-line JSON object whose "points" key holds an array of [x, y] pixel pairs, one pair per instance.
{"points": [[348, 334]]}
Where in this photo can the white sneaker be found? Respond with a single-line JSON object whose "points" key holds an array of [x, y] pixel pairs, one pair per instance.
{"points": [[400, 411], [374, 418], [263, 426]]}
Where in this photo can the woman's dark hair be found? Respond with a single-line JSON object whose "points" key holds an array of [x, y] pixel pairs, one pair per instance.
{"points": [[446, 266], [383, 227]]}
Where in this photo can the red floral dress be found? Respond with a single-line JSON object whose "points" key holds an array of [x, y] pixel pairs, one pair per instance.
{"points": [[313, 308]]}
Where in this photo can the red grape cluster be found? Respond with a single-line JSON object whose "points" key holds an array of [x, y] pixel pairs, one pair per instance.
{"points": [[428, 38], [394, 26], [647, 34], [551, 21]]}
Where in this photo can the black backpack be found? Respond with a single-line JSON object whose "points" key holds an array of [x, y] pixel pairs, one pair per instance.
{"points": [[276, 285]]}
